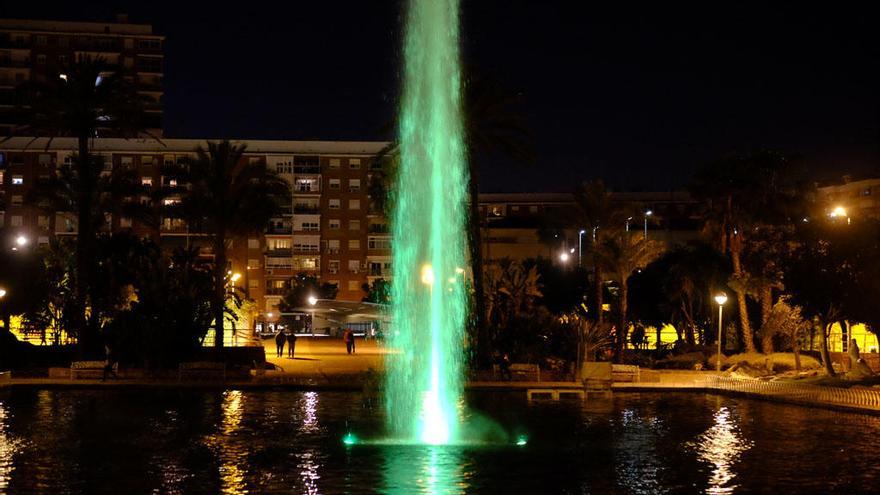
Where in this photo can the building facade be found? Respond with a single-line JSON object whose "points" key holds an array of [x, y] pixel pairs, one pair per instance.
{"points": [[328, 230], [858, 198], [33, 50]]}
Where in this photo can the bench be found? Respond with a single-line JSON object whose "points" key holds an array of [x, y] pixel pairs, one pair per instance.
{"points": [[555, 393], [89, 369], [523, 370], [624, 373], [209, 370]]}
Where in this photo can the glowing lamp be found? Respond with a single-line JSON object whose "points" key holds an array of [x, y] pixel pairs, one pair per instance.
{"points": [[2, 293], [349, 439], [427, 274], [313, 300], [838, 212], [235, 277], [721, 299], [563, 257], [21, 240]]}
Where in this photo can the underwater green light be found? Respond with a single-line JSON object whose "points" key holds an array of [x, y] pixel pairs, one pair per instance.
{"points": [[349, 439], [521, 440]]}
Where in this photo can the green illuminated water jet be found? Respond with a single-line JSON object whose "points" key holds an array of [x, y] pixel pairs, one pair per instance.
{"points": [[429, 301]]}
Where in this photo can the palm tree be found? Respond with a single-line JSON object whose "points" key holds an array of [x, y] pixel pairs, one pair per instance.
{"points": [[619, 255], [90, 98], [224, 197]]}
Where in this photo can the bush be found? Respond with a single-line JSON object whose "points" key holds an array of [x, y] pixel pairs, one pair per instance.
{"points": [[781, 361], [686, 361]]}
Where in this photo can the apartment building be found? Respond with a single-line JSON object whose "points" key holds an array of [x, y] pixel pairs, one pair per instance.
{"points": [[328, 230], [32, 50], [853, 197]]}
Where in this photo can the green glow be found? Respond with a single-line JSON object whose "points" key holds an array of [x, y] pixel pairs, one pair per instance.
{"points": [[429, 303], [521, 440], [349, 439]]}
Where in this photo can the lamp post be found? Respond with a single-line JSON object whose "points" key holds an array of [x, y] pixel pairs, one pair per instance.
{"points": [[312, 301], [647, 214], [580, 245], [721, 298], [628, 219]]}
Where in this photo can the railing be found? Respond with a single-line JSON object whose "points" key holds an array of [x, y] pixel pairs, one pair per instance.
{"points": [[801, 393], [306, 209]]}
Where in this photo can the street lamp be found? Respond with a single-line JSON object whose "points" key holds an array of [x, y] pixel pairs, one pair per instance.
{"points": [[563, 257], [647, 214], [2, 293], [21, 241], [721, 298], [313, 300], [580, 245], [627, 223]]}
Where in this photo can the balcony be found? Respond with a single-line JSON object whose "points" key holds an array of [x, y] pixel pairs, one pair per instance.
{"points": [[378, 228], [20, 64], [307, 169], [277, 291], [306, 209], [306, 249], [279, 230], [281, 253]]}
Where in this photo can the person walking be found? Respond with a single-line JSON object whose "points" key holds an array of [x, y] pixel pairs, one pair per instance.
{"points": [[348, 338], [280, 338], [291, 343]]}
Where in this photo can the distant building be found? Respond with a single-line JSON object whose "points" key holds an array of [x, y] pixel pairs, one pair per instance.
{"points": [[32, 50], [328, 229], [854, 198], [514, 225]]}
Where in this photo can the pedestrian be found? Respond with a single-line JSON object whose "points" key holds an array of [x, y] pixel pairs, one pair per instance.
{"points": [[279, 343], [504, 365], [291, 344], [348, 338], [353, 343], [109, 363]]}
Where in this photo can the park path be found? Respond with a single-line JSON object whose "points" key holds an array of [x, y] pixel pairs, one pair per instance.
{"points": [[325, 356]]}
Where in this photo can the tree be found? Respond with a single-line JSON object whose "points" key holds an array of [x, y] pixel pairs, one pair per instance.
{"points": [[378, 292], [620, 255], [90, 98], [743, 192], [225, 197], [302, 287]]}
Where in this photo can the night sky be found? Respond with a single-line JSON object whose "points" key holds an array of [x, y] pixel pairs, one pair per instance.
{"points": [[637, 97]]}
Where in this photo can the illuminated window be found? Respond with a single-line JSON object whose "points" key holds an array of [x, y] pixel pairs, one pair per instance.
{"points": [[17, 180], [334, 163], [333, 246], [253, 283], [43, 222], [146, 160], [354, 244], [147, 181], [253, 263], [333, 266], [125, 222], [354, 285], [354, 163], [253, 244], [354, 204], [354, 185], [354, 266], [127, 160], [17, 200], [334, 224], [15, 221], [334, 204], [354, 225], [334, 184]]}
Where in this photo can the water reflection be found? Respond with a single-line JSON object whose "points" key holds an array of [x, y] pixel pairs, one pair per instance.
{"points": [[638, 466], [309, 412], [7, 449], [721, 446], [429, 469], [231, 451]]}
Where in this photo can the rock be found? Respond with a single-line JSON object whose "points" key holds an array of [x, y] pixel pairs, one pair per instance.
{"points": [[859, 369], [745, 370]]}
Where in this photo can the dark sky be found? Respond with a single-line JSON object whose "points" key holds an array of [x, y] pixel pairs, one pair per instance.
{"points": [[637, 97]]}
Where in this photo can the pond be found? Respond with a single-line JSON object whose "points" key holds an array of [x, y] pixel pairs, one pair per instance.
{"points": [[209, 441]]}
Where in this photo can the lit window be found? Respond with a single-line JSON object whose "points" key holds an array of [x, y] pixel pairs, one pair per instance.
{"points": [[43, 222], [333, 246], [126, 160], [333, 266], [125, 222], [146, 181], [354, 285], [253, 283], [334, 204], [334, 224], [354, 225], [334, 163], [354, 266], [253, 263], [354, 204], [146, 160], [354, 244], [17, 200], [253, 244], [354, 185], [354, 163], [17, 180], [334, 184], [15, 221]]}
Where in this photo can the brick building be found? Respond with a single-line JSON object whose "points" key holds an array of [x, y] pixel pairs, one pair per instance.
{"points": [[328, 230], [37, 49]]}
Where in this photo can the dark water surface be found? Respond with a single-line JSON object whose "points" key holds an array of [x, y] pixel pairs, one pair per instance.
{"points": [[202, 441]]}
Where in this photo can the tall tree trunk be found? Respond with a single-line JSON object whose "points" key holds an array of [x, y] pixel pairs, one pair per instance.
{"points": [[823, 348], [89, 345], [796, 349], [598, 290], [689, 327], [766, 309], [483, 344], [219, 305], [735, 245], [622, 323]]}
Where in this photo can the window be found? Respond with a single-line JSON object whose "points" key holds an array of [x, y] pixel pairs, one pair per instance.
{"points": [[127, 161], [308, 246], [284, 167], [255, 160], [354, 225], [354, 185], [533, 209], [333, 246], [41, 59], [253, 244], [354, 285], [147, 160], [354, 266], [42, 240], [41, 40], [306, 185], [45, 159], [129, 43], [333, 266], [273, 244], [253, 263], [146, 181], [514, 208], [334, 163], [378, 243], [43, 222], [253, 283], [17, 180], [354, 163], [311, 226], [334, 204], [334, 224], [15, 221], [354, 244], [62, 59], [354, 204], [148, 44], [125, 222], [334, 184], [63, 42], [17, 200]]}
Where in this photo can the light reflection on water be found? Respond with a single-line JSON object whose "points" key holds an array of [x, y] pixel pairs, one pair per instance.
{"points": [[424, 469], [232, 451], [8, 447], [721, 447]]}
